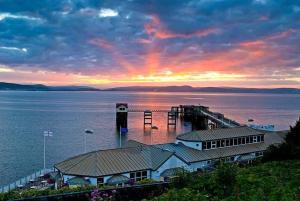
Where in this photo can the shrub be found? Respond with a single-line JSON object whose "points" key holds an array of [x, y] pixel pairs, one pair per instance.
{"points": [[288, 150]]}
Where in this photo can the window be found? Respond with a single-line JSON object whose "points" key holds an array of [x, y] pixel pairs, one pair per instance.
{"points": [[251, 139], [231, 142], [218, 143], [222, 143], [259, 153], [208, 145], [243, 140], [213, 145], [235, 141], [144, 175], [229, 159], [254, 139], [262, 138], [100, 181], [258, 138], [203, 145], [227, 143], [239, 140], [247, 139], [138, 176]]}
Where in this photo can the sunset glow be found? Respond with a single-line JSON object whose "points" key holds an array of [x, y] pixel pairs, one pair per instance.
{"points": [[207, 43]]}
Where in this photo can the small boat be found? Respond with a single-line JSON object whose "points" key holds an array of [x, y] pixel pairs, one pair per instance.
{"points": [[87, 131], [262, 127], [250, 120], [154, 127]]}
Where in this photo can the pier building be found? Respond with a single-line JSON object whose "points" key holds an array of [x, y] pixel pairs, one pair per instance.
{"points": [[192, 151]]}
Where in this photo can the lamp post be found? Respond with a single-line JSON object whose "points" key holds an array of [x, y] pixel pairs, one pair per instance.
{"points": [[46, 134], [86, 132]]}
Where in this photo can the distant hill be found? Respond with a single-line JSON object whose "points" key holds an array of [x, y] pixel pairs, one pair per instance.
{"points": [[40, 87], [207, 89], [185, 88]]}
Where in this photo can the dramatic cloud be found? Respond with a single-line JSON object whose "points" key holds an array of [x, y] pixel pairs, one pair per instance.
{"points": [[198, 42]]}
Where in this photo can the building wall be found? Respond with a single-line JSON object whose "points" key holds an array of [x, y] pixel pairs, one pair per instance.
{"points": [[197, 165], [172, 162], [194, 145], [93, 180]]}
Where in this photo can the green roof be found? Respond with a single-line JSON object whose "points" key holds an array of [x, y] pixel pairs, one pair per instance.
{"points": [[190, 155], [220, 133], [137, 156], [114, 161]]}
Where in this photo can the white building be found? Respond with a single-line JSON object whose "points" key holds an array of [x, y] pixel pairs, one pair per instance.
{"points": [[192, 151]]}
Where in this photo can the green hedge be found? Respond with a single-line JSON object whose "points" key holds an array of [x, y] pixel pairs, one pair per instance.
{"points": [[32, 193], [269, 181]]}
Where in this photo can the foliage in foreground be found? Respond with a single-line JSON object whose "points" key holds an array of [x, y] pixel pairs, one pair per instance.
{"points": [[288, 150], [264, 182], [31, 193]]}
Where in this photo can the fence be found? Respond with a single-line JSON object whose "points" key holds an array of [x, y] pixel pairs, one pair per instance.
{"points": [[135, 192], [24, 180]]}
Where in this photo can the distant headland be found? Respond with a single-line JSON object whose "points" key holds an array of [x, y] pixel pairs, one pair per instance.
{"points": [[4, 86]]}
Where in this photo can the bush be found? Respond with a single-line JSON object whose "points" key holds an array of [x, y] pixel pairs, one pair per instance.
{"points": [[146, 181], [185, 194], [266, 181], [288, 150]]}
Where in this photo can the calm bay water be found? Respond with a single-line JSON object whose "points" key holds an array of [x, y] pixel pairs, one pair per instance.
{"points": [[25, 115]]}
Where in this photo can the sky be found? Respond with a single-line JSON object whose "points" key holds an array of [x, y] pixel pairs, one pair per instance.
{"points": [[106, 43]]}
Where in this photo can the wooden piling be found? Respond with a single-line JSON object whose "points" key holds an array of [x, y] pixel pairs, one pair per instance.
{"points": [[147, 118], [172, 119]]}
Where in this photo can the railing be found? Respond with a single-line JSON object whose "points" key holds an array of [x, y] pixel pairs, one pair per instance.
{"points": [[24, 180], [224, 121]]}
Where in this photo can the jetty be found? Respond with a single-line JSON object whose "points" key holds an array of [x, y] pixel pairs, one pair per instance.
{"points": [[200, 116]]}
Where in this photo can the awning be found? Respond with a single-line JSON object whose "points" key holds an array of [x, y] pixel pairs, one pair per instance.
{"points": [[172, 172], [118, 179], [78, 181]]}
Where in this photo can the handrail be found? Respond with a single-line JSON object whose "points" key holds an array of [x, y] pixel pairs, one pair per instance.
{"points": [[24, 180]]}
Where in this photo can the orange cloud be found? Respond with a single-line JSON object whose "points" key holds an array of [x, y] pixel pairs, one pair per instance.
{"points": [[158, 30], [280, 35], [101, 43], [144, 41], [116, 54], [191, 64]]}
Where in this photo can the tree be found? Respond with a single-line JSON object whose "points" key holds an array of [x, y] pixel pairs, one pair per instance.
{"points": [[290, 149], [226, 177]]}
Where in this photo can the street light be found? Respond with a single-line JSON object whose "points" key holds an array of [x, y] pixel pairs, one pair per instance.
{"points": [[46, 134], [86, 132]]}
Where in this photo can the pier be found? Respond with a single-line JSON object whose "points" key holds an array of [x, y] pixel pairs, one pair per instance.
{"points": [[200, 116]]}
